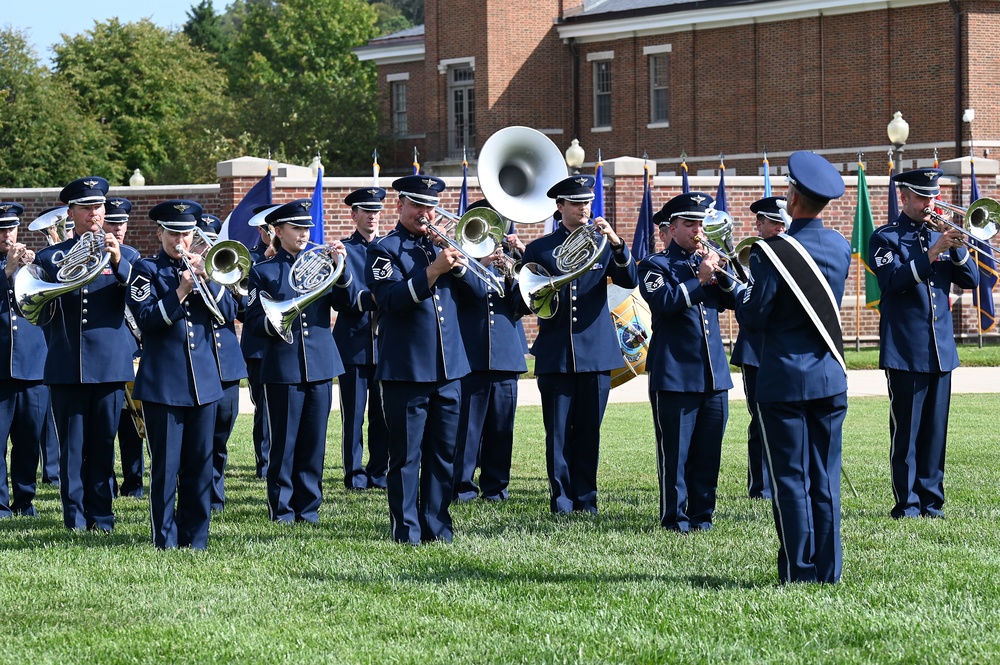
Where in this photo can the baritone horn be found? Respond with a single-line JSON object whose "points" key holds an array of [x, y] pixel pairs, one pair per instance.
{"points": [[315, 270], [517, 166], [574, 257], [76, 267]]}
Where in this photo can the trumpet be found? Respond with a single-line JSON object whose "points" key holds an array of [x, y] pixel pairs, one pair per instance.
{"points": [[471, 262], [315, 270], [200, 286]]}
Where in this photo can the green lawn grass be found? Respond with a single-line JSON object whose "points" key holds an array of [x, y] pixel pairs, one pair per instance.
{"points": [[520, 585]]}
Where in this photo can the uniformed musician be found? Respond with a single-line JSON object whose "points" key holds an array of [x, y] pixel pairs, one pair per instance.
{"points": [[253, 350], [354, 333], [745, 350], [417, 286], [686, 286], [576, 350], [179, 379], [916, 265], [495, 344], [297, 376], [798, 284], [232, 368], [89, 360], [129, 442], [24, 399]]}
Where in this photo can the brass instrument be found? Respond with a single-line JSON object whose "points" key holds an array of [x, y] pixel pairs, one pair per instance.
{"points": [[743, 248], [52, 224], [517, 166], [480, 232], [471, 262], [33, 289], [134, 406], [574, 257], [227, 262], [718, 226], [315, 270], [982, 219], [200, 287]]}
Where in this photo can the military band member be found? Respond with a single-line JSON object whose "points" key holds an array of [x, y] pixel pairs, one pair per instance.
{"points": [[495, 344], [232, 368], [686, 287], [416, 286], [253, 350], [24, 399], [798, 284], [916, 267], [354, 333], [576, 350], [769, 224], [88, 362], [178, 381], [297, 376], [129, 442]]}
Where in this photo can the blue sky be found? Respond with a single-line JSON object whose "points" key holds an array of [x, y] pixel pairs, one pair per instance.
{"points": [[44, 21]]}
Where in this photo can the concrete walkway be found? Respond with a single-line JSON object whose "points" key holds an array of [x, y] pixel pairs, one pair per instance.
{"points": [[860, 383]]}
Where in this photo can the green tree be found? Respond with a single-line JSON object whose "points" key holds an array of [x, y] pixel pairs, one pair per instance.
{"points": [[163, 100], [206, 29], [302, 89], [390, 18], [46, 140]]}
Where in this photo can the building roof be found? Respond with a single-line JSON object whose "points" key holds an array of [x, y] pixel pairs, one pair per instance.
{"points": [[416, 32], [601, 9]]}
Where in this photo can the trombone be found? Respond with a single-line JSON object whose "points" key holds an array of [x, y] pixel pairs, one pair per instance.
{"points": [[227, 262], [200, 287], [982, 219], [471, 261]]}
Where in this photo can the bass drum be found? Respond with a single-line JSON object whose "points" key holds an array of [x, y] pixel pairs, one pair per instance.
{"points": [[634, 325]]}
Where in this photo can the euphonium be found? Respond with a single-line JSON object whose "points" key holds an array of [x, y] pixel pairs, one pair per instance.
{"points": [[574, 257], [33, 289], [315, 270]]}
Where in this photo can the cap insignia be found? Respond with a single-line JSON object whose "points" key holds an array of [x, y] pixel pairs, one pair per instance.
{"points": [[698, 199], [428, 183], [306, 205], [181, 207], [581, 181], [90, 183]]}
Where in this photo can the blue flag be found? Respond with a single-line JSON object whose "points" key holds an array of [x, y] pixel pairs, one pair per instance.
{"points": [[685, 187], [316, 234], [597, 207], [463, 197], [982, 296], [645, 232], [767, 177], [893, 197], [416, 164], [235, 226], [720, 193]]}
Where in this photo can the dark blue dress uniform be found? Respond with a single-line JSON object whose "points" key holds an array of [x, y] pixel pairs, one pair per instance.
{"points": [[918, 348], [802, 389], [253, 350], [116, 211], [495, 344], [575, 351], [689, 376], [744, 356], [179, 384], [24, 399], [298, 381], [354, 333], [421, 360], [89, 360]]}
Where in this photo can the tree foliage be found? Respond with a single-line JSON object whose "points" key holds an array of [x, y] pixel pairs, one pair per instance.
{"points": [[45, 138], [301, 88], [163, 100], [206, 29]]}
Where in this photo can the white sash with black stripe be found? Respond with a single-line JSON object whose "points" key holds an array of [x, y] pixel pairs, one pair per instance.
{"points": [[811, 289]]}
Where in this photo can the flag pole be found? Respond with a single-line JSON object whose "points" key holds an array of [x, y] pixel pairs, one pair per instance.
{"points": [[857, 291]]}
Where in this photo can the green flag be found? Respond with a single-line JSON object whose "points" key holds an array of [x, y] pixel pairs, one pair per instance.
{"points": [[864, 226]]}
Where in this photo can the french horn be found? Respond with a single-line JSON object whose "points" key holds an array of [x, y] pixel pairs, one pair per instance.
{"points": [[77, 267], [315, 270], [574, 257]]}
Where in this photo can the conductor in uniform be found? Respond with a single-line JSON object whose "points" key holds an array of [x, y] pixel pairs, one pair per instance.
{"points": [[745, 350], [417, 287], [89, 360], [686, 287], [916, 266], [24, 399], [298, 364], [576, 349], [794, 301], [354, 333], [179, 379]]}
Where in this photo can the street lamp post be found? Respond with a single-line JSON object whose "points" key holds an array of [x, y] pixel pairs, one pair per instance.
{"points": [[898, 131], [575, 156]]}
